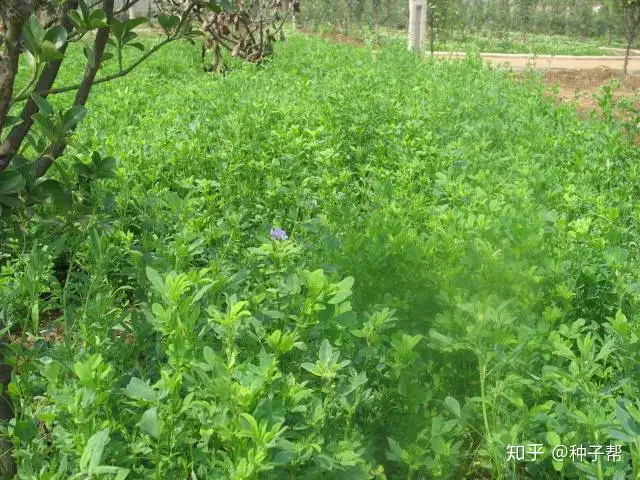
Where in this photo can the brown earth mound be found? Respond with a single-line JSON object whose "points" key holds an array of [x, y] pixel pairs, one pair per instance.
{"points": [[582, 85]]}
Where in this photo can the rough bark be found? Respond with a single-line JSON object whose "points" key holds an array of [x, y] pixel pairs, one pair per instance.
{"points": [[14, 14]]}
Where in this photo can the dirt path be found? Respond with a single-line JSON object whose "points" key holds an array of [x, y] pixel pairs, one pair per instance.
{"points": [[552, 62]]}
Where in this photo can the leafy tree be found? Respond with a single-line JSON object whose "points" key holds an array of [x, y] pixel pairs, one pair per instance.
{"points": [[39, 32], [629, 11]]}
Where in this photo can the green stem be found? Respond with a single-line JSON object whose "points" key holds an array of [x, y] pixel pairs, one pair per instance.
{"points": [[483, 373], [28, 86]]}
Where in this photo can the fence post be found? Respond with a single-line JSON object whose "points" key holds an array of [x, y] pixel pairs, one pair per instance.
{"points": [[417, 24]]}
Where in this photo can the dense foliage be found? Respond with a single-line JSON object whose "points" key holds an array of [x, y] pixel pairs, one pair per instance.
{"points": [[36, 34], [456, 271], [487, 19]]}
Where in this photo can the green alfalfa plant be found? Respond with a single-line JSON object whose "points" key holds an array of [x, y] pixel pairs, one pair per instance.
{"points": [[488, 330], [629, 118], [606, 99]]}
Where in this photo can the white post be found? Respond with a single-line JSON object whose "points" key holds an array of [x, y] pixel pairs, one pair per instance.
{"points": [[417, 24]]}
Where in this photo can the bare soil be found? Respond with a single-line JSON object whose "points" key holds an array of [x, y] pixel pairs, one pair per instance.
{"points": [[334, 37], [581, 86]]}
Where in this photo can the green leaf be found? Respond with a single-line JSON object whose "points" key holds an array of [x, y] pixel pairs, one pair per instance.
{"points": [[43, 105], [453, 405], [11, 201], [312, 368], [326, 352], [315, 281], [212, 358], [11, 182], [135, 22], [249, 423], [553, 439], [219, 5], [33, 34], [83, 170], [48, 52], [440, 337], [346, 284], [156, 280], [626, 421], [92, 453], [32, 63], [128, 37], [10, 121], [396, 453], [90, 55], [103, 167], [168, 22], [149, 422], [139, 389], [339, 297], [57, 36], [618, 435], [57, 192], [117, 28], [72, 117], [97, 19], [84, 8], [324, 461], [77, 21], [47, 125], [25, 167], [122, 474], [105, 57], [355, 382]]}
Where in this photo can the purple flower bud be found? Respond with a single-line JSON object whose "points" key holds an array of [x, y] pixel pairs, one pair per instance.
{"points": [[279, 234]]}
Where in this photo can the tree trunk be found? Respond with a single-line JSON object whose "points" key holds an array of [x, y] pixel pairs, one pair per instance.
{"points": [[626, 57], [7, 462], [14, 15], [8, 72]]}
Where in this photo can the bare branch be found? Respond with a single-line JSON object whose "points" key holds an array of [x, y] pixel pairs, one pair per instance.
{"points": [[128, 4]]}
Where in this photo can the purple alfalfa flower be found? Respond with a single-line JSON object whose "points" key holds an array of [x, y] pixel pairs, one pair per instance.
{"points": [[279, 234]]}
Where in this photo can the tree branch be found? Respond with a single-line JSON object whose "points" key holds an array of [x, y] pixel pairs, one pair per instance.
{"points": [[113, 76], [126, 6], [57, 149], [14, 140], [14, 15], [121, 73]]}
